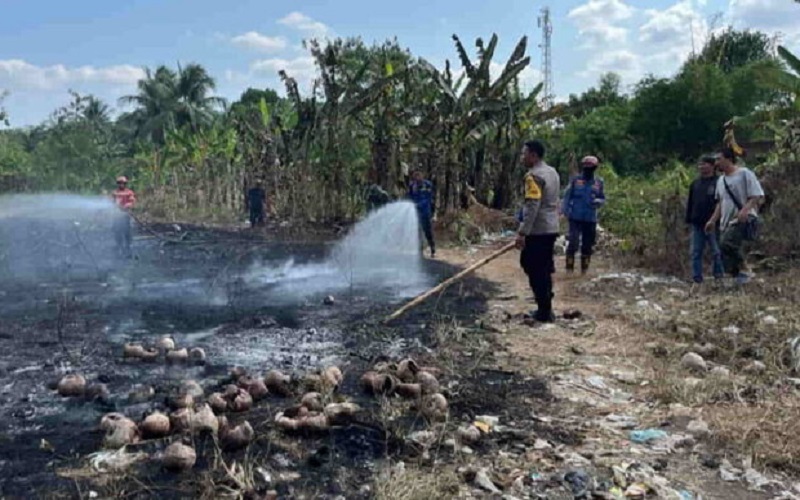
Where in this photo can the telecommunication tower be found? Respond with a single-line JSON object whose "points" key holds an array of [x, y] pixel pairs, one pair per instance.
{"points": [[547, 66]]}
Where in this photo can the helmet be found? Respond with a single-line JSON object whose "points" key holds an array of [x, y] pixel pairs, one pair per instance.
{"points": [[590, 160], [122, 178]]}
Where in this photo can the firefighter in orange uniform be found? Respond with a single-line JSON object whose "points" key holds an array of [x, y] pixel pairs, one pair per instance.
{"points": [[125, 199]]}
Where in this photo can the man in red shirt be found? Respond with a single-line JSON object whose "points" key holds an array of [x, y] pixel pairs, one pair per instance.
{"points": [[125, 199]]}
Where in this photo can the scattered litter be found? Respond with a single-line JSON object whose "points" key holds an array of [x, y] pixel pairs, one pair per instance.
{"points": [[116, 460], [487, 420], [625, 422], [422, 438], [728, 472], [769, 320], [720, 372], [755, 480], [693, 361], [698, 428], [482, 426], [597, 382], [483, 481], [794, 353], [265, 475], [731, 330], [579, 483], [647, 436], [646, 304], [541, 444], [636, 490], [686, 495], [755, 367]]}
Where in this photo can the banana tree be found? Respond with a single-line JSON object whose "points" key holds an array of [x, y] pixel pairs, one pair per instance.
{"points": [[469, 117]]}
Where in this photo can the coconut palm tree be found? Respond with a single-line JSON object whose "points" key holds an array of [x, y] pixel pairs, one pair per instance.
{"points": [[195, 105], [155, 105], [167, 100]]}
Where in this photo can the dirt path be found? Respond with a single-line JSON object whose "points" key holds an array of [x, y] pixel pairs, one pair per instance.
{"points": [[600, 369]]}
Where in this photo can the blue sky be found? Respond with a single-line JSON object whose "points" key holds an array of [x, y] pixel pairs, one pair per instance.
{"points": [[100, 46]]}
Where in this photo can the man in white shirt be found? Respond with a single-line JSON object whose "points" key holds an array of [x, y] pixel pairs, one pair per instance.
{"points": [[739, 195]]}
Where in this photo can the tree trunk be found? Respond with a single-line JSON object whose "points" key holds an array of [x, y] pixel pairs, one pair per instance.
{"points": [[381, 152]]}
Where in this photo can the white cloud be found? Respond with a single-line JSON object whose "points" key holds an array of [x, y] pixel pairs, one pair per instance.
{"points": [[674, 25], [302, 22], [303, 69], [257, 41], [669, 36], [17, 73], [623, 62], [771, 16], [595, 22], [601, 11]]}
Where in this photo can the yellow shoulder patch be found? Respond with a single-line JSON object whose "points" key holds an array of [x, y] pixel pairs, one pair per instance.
{"points": [[532, 189]]}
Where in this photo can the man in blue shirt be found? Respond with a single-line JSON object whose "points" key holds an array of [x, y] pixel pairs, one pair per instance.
{"points": [[581, 200], [421, 192]]}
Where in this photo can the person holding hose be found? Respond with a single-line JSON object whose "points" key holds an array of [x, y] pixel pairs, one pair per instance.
{"points": [[538, 230], [124, 199], [583, 197], [421, 192]]}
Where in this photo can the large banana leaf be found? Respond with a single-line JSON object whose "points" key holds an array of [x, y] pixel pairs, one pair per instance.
{"points": [[465, 61], [509, 73], [437, 77], [367, 97], [480, 131], [791, 60], [486, 59], [519, 51]]}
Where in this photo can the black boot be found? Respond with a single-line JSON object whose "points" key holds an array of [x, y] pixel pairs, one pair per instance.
{"points": [[570, 263], [585, 261]]}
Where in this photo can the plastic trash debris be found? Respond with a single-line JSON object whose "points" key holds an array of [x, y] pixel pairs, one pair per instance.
{"points": [[483, 481], [616, 493], [755, 480], [698, 428], [728, 472], [647, 435], [686, 495], [636, 490], [489, 420], [579, 483], [694, 361], [597, 382], [482, 426]]}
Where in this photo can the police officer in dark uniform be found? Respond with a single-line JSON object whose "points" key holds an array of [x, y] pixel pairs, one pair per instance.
{"points": [[538, 230]]}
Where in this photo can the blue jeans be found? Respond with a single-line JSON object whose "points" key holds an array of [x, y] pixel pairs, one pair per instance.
{"points": [[699, 240]]}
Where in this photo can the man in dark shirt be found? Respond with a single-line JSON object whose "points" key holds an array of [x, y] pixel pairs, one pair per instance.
{"points": [[256, 201], [699, 209]]}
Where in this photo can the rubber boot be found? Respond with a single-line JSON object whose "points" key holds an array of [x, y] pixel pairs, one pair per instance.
{"points": [[585, 261], [570, 263]]}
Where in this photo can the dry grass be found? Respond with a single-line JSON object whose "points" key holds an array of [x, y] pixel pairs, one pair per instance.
{"points": [[769, 432], [673, 385], [416, 484]]}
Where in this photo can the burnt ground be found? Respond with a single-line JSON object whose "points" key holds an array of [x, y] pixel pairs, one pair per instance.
{"points": [[68, 304]]}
